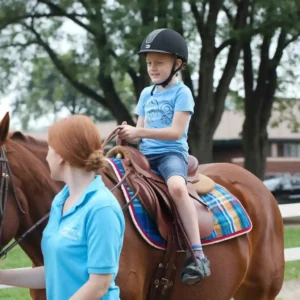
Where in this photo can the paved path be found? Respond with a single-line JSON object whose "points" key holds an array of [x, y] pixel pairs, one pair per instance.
{"points": [[290, 290], [290, 210], [292, 254]]}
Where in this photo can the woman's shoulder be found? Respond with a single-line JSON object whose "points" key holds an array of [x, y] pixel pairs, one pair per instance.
{"points": [[104, 198], [104, 205]]}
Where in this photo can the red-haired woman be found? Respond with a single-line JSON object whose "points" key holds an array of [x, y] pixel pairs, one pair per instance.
{"points": [[83, 239]]}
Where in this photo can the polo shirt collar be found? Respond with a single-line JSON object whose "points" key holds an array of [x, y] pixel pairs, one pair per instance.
{"points": [[91, 188]]}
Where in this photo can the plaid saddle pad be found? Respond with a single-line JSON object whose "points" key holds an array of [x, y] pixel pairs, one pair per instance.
{"points": [[230, 218]]}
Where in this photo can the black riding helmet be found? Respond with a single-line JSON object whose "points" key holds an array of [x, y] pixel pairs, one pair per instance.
{"points": [[166, 41]]}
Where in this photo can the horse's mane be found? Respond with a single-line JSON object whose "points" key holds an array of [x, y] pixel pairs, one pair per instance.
{"points": [[26, 140], [35, 150], [32, 144]]}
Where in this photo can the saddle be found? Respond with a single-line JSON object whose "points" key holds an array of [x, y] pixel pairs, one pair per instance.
{"points": [[154, 194], [155, 197]]}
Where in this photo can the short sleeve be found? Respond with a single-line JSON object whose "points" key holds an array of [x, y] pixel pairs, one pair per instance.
{"points": [[140, 108], [184, 100], [105, 232]]}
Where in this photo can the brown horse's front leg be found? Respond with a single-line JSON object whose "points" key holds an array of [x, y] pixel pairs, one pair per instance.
{"points": [[38, 294]]}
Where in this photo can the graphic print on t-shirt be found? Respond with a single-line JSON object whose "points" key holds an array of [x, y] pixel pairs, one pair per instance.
{"points": [[158, 114]]}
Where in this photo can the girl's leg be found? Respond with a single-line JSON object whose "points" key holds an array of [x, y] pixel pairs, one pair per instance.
{"points": [[173, 168], [191, 273], [185, 206]]}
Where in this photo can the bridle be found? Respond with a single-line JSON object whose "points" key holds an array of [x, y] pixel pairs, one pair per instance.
{"points": [[6, 175]]}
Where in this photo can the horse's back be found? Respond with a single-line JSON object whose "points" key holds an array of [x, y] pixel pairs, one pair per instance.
{"points": [[251, 191]]}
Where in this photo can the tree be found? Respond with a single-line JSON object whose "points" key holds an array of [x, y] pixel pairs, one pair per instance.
{"points": [[111, 34], [278, 23], [210, 97], [29, 29], [47, 94], [287, 111]]}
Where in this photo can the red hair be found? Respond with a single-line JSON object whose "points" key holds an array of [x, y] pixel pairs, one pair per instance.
{"points": [[77, 140]]}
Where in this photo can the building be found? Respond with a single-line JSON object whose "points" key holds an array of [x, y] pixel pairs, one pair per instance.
{"points": [[284, 145], [284, 155]]}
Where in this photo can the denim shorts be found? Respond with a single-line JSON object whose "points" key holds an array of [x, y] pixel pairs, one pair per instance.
{"points": [[169, 164]]}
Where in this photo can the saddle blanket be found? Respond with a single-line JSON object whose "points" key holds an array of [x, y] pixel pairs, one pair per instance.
{"points": [[230, 218]]}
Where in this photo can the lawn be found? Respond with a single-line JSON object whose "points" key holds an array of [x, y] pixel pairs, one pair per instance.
{"points": [[17, 259], [291, 237], [14, 294], [292, 240]]}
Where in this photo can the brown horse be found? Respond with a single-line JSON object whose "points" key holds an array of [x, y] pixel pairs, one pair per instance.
{"points": [[247, 267]]}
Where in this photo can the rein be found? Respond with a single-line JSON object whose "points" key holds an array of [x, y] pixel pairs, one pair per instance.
{"points": [[6, 174]]}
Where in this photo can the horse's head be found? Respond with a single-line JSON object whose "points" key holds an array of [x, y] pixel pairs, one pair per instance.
{"points": [[26, 189], [9, 216]]}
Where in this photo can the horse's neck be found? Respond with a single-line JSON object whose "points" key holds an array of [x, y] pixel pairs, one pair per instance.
{"points": [[34, 189]]}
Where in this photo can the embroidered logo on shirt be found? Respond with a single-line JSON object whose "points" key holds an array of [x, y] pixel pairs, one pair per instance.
{"points": [[71, 232]]}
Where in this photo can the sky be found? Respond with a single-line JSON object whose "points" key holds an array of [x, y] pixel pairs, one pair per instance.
{"points": [[4, 106]]}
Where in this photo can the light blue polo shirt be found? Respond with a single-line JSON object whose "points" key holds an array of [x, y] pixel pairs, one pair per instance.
{"points": [[86, 240], [158, 111]]}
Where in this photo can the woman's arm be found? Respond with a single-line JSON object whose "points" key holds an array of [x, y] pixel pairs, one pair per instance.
{"points": [[104, 231], [28, 278], [95, 288]]}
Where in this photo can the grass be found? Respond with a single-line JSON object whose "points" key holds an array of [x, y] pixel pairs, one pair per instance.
{"points": [[292, 240], [14, 294], [291, 237], [292, 270], [17, 259]]}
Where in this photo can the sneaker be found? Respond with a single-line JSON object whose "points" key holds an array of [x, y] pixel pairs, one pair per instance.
{"points": [[192, 273]]}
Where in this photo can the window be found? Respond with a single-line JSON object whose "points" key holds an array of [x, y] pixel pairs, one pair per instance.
{"points": [[291, 150]]}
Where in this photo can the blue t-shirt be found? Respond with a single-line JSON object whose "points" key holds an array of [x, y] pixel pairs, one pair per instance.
{"points": [[86, 240], [158, 112]]}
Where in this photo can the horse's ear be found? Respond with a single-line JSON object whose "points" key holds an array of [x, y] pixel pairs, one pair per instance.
{"points": [[4, 128]]}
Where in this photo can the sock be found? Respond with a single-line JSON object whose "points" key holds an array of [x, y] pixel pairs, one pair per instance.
{"points": [[197, 248]]}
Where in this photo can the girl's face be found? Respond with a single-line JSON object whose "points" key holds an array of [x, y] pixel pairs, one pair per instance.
{"points": [[159, 66], [55, 164]]}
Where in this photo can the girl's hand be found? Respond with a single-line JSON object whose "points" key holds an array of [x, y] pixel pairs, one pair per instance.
{"points": [[128, 132]]}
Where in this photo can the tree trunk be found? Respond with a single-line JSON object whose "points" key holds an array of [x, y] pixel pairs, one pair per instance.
{"points": [[115, 105], [201, 144], [210, 100], [255, 142], [259, 102]]}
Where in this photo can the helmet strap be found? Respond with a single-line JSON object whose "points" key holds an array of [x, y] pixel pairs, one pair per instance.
{"points": [[173, 72]]}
